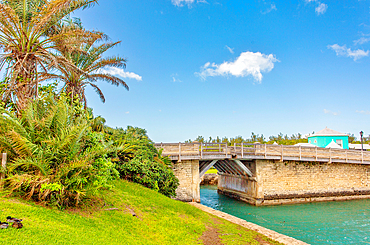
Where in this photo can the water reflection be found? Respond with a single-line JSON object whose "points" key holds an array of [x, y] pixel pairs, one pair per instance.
{"points": [[315, 223]]}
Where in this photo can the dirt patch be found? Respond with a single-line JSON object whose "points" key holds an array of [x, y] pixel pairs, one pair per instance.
{"points": [[183, 216], [210, 236], [216, 221], [261, 241]]}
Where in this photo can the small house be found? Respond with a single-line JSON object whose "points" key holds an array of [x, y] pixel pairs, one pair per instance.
{"points": [[326, 136]]}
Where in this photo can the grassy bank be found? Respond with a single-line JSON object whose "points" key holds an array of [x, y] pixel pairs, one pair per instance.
{"points": [[129, 214]]}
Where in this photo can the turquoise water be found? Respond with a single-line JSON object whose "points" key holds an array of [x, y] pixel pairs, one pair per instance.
{"points": [[346, 222]]}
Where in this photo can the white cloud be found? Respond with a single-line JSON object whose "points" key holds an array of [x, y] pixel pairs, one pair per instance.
{"points": [[231, 50], [114, 71], [331, 112], [364, 112], [362, 40], [175, 78], [321, 9], [272, 7], [347, 52], [181, 3], [248, 63], [127, 112]]}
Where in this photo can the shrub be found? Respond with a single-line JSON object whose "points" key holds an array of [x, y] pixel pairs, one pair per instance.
{"points": [[150, 174], [53, 155], [143, 164]]}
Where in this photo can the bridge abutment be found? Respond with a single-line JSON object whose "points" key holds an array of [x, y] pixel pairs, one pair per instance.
{"points": [[187, 171], [288, 182]]}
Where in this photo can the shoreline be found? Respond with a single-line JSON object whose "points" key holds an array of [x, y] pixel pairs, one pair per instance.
{"points": [[264, 231]]}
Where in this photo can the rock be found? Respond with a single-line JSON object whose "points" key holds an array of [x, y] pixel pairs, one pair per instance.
{"points": [[209, 179]]}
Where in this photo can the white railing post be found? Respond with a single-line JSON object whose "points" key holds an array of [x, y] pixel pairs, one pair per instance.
{"points": [[235, 148], [282, 153], [226, 149], [201, 150], [265, 150], [242, 150], [3, 164], [300, 153], [179, 151]]}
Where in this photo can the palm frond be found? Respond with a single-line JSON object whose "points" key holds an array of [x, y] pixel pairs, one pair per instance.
{"points": [[108, 78], [99, 92]]}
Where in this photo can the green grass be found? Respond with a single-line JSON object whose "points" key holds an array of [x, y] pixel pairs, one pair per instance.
{"points": [[212, 171], [159, 220]]}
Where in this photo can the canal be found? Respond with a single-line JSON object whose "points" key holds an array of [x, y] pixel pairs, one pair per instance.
{"points": [[346, 222]]}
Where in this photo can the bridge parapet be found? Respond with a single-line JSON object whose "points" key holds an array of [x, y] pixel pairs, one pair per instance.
{"points": [[199, 151]]}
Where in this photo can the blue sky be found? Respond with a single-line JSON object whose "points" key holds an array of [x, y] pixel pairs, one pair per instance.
{"points": [[229, 68]]}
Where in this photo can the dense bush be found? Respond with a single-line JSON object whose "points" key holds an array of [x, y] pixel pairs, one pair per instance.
{"points": [[143, 163], [54, 157], [150, 174]]}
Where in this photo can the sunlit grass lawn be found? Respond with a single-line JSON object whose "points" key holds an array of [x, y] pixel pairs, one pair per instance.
{"points": [[158, 220], [212, 171]]}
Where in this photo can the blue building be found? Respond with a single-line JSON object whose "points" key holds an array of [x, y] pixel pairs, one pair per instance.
{"points": [[329, 138]]}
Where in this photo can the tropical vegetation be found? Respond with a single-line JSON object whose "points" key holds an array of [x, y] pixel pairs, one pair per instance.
{"points": [[59, 154], [90, 63], [30, 48]]}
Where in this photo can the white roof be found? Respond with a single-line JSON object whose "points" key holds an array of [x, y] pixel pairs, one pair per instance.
{"points": [[305, 144], [333, 145], [328, 132], [358, 146]]}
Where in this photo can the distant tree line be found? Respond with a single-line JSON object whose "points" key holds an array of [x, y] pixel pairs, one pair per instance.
{"points": [[279, 139], [357, 140]]}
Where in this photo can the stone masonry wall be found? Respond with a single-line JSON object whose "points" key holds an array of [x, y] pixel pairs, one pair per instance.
{"points": [[188, 174], [305, 181]]}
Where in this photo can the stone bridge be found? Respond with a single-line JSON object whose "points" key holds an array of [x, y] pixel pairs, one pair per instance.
{"points": [[263, 174]]}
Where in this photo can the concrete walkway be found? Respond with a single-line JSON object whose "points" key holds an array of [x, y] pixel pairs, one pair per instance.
{"points": [[269, 233]]}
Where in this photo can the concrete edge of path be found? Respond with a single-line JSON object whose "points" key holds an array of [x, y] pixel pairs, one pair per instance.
{"points": [[264, 231]]}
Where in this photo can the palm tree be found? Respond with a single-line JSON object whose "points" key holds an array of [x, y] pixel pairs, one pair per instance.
{"points": [[26, 48], [89, 60]]}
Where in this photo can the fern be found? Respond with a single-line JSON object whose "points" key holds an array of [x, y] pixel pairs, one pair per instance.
{"points": [[49, 146]]}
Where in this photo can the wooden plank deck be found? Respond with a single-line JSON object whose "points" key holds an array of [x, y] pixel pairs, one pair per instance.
{"points": [[244, 151]]}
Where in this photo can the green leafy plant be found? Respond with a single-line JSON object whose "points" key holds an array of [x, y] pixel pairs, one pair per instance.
{"points": [[53, 155], [143, 163]]}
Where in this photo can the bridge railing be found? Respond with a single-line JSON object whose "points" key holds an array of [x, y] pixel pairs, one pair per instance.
{"points": [[243, 150]]}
